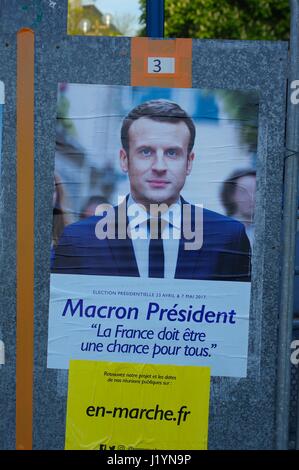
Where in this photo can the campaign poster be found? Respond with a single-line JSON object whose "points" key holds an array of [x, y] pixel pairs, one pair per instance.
{"points": [[153, 226], [124, 406]]}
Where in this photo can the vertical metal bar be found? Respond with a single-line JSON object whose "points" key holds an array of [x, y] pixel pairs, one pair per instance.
{"points": [[288, 247], [155, 18]]}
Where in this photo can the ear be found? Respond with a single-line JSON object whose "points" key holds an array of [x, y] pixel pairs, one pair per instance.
{"points": [[124, 163], [190, 159]]}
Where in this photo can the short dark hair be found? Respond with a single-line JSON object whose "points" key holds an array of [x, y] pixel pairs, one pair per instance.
{"points": [[157, 110], [229, 187]]}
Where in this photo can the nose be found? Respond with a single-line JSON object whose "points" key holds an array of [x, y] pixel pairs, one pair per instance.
{"points": [[159, 164]]}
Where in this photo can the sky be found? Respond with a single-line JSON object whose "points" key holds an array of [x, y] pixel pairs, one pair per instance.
{"points": [[118, 6]]}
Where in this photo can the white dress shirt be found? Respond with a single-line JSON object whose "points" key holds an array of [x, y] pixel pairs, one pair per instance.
{"points": [[171, 233]]}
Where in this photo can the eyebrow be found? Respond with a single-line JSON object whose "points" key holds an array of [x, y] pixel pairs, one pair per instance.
{"points": [[144, 147], [174, 147], [170, 147]]}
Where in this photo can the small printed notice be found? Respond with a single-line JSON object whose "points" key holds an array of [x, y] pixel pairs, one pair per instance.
{"points": [[121, 406]]}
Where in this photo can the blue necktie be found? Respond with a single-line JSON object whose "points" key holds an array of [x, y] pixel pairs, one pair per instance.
{"points": [[156, 253]]}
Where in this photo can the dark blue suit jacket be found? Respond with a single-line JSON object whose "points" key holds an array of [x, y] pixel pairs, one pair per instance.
{"points": [[224, 255]]}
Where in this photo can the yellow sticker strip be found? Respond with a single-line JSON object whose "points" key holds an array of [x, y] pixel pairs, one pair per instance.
{"points": [[126, 406], [25, 237]]}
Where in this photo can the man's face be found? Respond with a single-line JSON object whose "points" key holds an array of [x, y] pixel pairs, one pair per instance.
{"points": [[158, 160]]}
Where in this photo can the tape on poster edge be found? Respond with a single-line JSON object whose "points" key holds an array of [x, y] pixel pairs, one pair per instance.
{"points": [[2, 353], [2, 94]]}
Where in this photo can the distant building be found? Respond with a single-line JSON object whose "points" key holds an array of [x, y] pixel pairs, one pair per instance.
{"points": [[88, 20]]}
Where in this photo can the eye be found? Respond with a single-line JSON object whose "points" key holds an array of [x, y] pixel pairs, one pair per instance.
{"points": [[171, 152], [146, 151]]}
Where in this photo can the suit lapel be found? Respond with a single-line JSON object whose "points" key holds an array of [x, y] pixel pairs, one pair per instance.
{"points": [[187, 259], [122, 250]]}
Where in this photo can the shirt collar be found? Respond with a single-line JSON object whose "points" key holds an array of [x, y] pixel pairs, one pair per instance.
{"points": [[172, 216]]}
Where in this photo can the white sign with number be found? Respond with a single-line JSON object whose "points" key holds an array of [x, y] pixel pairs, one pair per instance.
{"points": [[156, 65]]}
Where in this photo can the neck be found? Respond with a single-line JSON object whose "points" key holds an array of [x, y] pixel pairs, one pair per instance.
{"points": [[162, 206], [244, 218]]}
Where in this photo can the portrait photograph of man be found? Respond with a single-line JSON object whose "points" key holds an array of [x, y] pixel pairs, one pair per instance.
{"points": [[153, 216]]}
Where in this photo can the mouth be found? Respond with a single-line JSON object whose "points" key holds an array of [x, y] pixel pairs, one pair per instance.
{"points": [[158, 183]]}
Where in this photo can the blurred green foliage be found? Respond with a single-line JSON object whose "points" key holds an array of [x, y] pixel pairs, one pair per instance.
{"points": [[225, 19]]}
